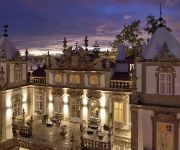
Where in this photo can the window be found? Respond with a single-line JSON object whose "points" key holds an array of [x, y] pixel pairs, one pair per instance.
{"points": [[39, 101], [17, 73], [17, 105], [118, 112], [165, 83]]}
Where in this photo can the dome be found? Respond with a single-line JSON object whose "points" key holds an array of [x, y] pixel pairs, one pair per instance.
{"points": [[7, 48], [154, 46]]}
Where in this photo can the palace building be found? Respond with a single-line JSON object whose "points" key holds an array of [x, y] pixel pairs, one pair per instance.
{"points": [[81, 85]]}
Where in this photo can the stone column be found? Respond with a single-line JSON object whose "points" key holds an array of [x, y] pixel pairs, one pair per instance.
{"points": [[134, 129]]}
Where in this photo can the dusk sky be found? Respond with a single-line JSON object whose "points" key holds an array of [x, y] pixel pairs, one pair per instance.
{"points": [[42, 24]]}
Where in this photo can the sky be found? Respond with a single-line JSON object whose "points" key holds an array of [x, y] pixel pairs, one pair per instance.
{"points": [[42, 24]]}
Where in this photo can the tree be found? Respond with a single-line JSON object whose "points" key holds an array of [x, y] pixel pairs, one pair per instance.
{"points": [[152, 24], [130, 36]]}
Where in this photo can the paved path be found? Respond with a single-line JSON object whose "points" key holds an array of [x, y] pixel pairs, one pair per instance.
{"points": [[52, 136]]}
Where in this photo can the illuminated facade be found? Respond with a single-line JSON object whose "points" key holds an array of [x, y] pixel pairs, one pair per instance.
{"points": [[80, 84]]}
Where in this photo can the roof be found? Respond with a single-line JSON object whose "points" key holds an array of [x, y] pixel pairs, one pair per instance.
{"points": [[154, 46], [8, 47], [121, 55]]}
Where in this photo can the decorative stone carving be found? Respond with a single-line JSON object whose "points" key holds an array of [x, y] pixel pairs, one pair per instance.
{"points": [[76, 93], [118, 96], [40, 90], [58, 92], [93, 94], [164, 55]]}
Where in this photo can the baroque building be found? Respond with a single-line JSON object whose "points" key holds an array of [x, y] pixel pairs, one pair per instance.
{"points": [[155, 111], [81, 84]]}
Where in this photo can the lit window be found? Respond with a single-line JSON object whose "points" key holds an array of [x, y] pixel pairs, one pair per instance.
{"points": [[118, 112], [18, 73], [165, 83]]}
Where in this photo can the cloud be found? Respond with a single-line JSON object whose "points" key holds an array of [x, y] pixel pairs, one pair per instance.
{"points": [[127, 16]]}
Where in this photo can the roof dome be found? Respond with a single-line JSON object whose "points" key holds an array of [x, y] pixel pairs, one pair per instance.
{"points": [[154, 46], [7, 48]]}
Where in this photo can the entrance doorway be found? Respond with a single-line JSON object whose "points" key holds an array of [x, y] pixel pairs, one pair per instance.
{"points": [[57, 105], [75, 109], [93, 109], [164, 136]]}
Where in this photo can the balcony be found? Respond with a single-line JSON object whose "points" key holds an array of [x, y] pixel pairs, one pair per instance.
{"points": [[120, 84]]}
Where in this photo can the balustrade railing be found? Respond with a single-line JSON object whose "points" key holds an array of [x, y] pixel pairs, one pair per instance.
{"points": [[120, 84], [95, 145], [28, 144], [39, 80], [122, 142]]}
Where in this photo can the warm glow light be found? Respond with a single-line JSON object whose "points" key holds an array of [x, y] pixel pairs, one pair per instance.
{"points": [[85, 113], [50, 95], [24, 99], [50, 109], [8, 99], [65, 96], [24, 105], [8, 116], [24, 93], [85, 99], [103, 100], [66, 111], [102, 115]]}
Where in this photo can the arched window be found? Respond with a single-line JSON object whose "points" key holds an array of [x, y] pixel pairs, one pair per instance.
{"points": [[17, 105], [17, 73]]}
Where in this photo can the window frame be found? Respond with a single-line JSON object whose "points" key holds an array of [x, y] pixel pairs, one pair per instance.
{"points": [[165, 70], [39, 99], [122, 110]]}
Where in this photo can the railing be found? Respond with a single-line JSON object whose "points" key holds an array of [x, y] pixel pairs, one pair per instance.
{"points": [[39, 80], [8, 144], [122, 142], [120, 84], [28, 144], [95, 145]]}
